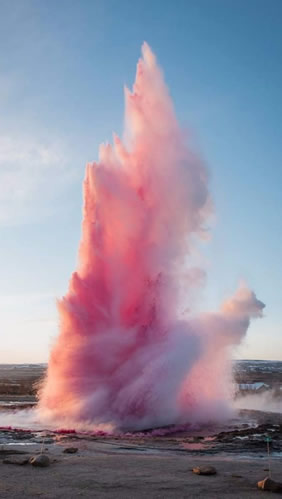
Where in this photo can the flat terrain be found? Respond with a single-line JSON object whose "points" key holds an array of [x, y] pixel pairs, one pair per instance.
{"points": [[19, 382], [103, 470], [252, 371], [133, 466]]}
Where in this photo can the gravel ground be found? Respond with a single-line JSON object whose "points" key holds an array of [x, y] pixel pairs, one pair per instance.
{"points": [[108, 470]]}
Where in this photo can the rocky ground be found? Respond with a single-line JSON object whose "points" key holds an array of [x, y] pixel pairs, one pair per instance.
{"points": [[128, 469], [132, 465]]}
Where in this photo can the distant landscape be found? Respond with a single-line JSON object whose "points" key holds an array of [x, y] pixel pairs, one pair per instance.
{"points": [[19, 382]]}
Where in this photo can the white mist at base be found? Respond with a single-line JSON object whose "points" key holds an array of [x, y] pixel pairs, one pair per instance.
{"points": [[268, 401]]}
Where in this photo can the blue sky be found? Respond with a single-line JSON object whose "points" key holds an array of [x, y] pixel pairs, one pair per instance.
{"points": [[62, 70]]}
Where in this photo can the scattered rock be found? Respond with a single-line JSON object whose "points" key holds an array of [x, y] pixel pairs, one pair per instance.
{"points": [[16, 460], [9, 452], [23, 435], [204, 470], [269, 484], [41, 461], [70, 450]]}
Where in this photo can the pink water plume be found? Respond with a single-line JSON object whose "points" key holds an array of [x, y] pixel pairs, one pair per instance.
{"points": [[126, 355]]}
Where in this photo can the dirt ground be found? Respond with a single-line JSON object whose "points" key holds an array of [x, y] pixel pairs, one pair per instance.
{"points": [[105, 470], [133, 468]]}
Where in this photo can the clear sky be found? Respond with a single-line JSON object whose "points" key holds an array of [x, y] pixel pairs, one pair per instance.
{"points": [[63, 65]]}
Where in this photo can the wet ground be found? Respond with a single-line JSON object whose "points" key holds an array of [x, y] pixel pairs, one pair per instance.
{"points": [[153, 464], [145, 465], [245, 435], [148, 464]]}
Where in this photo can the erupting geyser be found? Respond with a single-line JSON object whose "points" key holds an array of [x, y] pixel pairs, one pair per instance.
{"points": [[123, 355]]}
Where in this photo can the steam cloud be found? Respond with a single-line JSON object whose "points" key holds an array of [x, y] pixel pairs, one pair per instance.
{"points": [[123, 356]]}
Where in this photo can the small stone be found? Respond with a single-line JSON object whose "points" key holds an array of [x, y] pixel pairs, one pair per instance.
{"points": [[70, 450], [16, 460], [204, 470], [41, 461], [269, 484]]}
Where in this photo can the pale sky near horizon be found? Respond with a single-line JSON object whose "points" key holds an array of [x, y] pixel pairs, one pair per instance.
{"points": [[63, 66]]}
